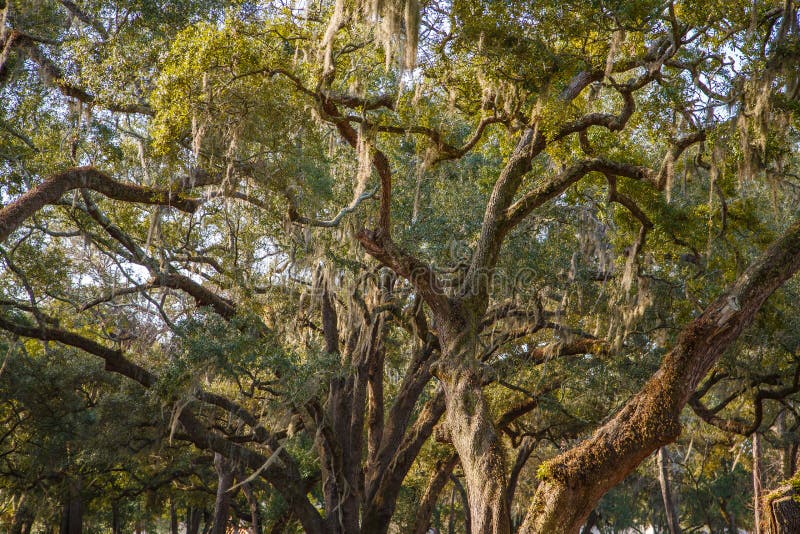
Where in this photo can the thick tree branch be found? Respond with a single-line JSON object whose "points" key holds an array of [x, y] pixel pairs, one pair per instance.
{"points": [[575, 480], [52, 189]]}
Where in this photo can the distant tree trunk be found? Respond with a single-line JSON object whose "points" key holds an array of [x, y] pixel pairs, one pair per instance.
{"points": [[435, 486], [525, 450], [21, 515], [591, 521], [173, 516], [464, 503], [666, 491], [116, 526], [72, 518], [788, 450], [192, 520], [207, 522], [223, 502], [451, 521], [280, 525], [757, 483], [255, 523], [730, 517]]}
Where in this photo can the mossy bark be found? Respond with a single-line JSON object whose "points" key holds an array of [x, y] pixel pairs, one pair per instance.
{"points": [[780, 511]]}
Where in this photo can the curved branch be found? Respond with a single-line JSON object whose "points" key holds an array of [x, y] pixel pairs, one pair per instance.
{"points": [[51, 190], [735, 425]]}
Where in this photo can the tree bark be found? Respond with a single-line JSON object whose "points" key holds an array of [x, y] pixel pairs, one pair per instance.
{"points": [[255, 522], [788, 450], [525, 450], [72, 519], [666, 491], [192, 520], [116, 522], [591, 521], [464, 503], [575, 481], [23, 516]]}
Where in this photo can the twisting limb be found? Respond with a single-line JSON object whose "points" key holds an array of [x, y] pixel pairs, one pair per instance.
{"points": [[295, 217], [736, 425], [51, 190]]}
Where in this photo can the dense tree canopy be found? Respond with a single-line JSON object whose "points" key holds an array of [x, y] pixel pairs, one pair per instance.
{"points": [[344, 266]]}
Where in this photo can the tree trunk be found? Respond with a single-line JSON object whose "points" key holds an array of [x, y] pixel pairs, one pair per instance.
{"points": [[223, 502], [464, 503], [208, 522], [472, 432], [19, 516], [192, 520], [756, 483], [591, 521], [524, 452], [255, 523], [574, 482], [451, 519], [116, 524], [173, 517], [23, 516], [666, 492], [72, 519], [470, 424], [788, 450]]}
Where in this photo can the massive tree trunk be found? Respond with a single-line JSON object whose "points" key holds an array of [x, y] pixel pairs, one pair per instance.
{"points": [[471, 427], [575, 481], [666, 492]]}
